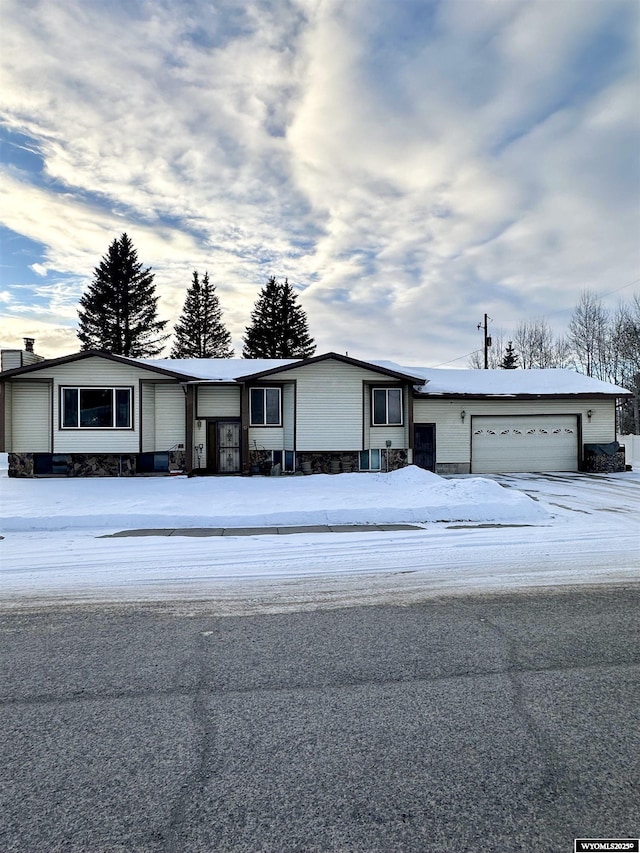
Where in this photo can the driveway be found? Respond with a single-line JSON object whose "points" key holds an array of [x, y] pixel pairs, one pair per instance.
{"points": [[581, 493]]}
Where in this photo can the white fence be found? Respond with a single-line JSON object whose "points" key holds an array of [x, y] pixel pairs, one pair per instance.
{"points": [[632, 449]]}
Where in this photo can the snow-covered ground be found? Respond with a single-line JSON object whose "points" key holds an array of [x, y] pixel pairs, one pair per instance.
{"points": [[543, 530]]}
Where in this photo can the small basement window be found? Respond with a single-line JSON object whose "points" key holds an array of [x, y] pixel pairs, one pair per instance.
{"points": [[153, 463], [284, 458], [370, 460]]}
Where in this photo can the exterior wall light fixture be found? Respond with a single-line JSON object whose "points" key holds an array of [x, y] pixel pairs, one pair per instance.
{"points": [[199, 423], [463, 415], [590, 413]]}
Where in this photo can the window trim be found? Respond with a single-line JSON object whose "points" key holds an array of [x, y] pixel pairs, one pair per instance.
{"points": [[369, 467], [264, 389], [386, 390], [113, 389]]}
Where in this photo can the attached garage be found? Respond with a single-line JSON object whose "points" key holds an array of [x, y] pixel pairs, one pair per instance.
{"points": [[524, 443]]}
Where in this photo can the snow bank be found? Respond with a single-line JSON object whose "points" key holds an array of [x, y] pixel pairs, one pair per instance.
{"points": [[404, 496]]}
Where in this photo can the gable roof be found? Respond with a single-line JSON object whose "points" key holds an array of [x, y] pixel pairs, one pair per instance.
{"points": [[386, 369], [80, 356], [427, 382]]}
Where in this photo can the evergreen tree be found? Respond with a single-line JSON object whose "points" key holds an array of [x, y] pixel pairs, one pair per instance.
{"points": [[118, 312], [510, 360], [278, 327], [199, 333]]}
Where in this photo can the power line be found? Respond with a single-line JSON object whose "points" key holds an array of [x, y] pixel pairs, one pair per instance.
{"points": [[548, 314], [460, 357], [606, 293]]}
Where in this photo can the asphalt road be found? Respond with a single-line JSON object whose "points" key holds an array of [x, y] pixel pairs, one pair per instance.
{"points": [[486, 723]]}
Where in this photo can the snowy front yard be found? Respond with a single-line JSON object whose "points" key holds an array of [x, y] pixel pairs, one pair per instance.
{"points": [[574, 530]]}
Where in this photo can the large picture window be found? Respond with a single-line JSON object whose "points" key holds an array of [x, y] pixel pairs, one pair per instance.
{"points": [[96, 408], [387, 406], [265, 409]]}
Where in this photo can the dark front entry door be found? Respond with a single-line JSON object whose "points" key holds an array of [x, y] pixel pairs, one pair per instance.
{"points": [[424, 446], [223, 447]]}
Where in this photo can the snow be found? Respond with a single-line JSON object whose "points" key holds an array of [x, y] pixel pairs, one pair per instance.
{"points": [[436, 381], [577, 530], [506, 382], [407, 495], [217, 369]]}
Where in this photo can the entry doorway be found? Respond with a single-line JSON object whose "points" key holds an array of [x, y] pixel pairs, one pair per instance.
{"points": [[424, 446], [223, 447]]}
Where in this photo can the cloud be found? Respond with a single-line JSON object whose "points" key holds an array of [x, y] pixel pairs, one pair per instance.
{"points": [[407, 165]]}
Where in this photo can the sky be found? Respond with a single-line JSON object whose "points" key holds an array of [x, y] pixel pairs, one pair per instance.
{"points": [[408, 165]]}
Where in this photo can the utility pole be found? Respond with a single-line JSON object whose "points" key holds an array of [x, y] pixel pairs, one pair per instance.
{"points": [[487, 340]]}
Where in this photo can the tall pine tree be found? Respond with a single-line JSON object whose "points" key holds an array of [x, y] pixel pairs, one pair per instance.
{"points": [[278, 327], [118, 312], [200, 333], [510, 359]]}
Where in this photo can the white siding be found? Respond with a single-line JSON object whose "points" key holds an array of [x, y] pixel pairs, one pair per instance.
{"points": [[96, 372], [453, 436], [8, 388], [377, 437], [170, 417], [266, 438], [330, 405], [288, 417], [148, 391], [31, 415], [218, 402]]}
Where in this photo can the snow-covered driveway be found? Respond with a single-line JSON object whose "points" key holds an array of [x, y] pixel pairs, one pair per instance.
{"points": [[570, 529]]}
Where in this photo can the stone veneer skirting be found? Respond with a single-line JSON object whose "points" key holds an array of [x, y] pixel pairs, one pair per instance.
{"points": [[330, 462], [85, 464]]}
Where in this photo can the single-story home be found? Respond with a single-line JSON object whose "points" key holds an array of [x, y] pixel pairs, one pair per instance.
{"points": [[93, 413]]}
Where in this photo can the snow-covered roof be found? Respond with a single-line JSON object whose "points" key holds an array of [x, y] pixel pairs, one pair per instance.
{"points": [[217, 369], [430, 381], [506, 383]]}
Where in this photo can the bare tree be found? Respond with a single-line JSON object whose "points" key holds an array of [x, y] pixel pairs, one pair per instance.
{"points": [[537, 345], [590, 336], [626, 334]]}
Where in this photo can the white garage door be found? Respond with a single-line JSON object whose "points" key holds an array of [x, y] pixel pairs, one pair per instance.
{"points": [[524, 443]]}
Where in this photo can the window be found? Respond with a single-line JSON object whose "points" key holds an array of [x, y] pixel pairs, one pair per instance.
{"points": [[264, 406], [96, 408], [284, 458], [369, 460], [387, 406]]}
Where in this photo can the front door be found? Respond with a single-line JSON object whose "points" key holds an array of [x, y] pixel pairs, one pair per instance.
{"points": [[223, 447], [424, 446]]}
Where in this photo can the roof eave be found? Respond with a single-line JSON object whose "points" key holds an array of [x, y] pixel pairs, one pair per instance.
{"points": [[80, 356], [580, 395], [303, 362]]}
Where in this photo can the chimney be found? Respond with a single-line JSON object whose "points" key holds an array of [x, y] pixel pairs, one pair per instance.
{"points": [[28, 344]]}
